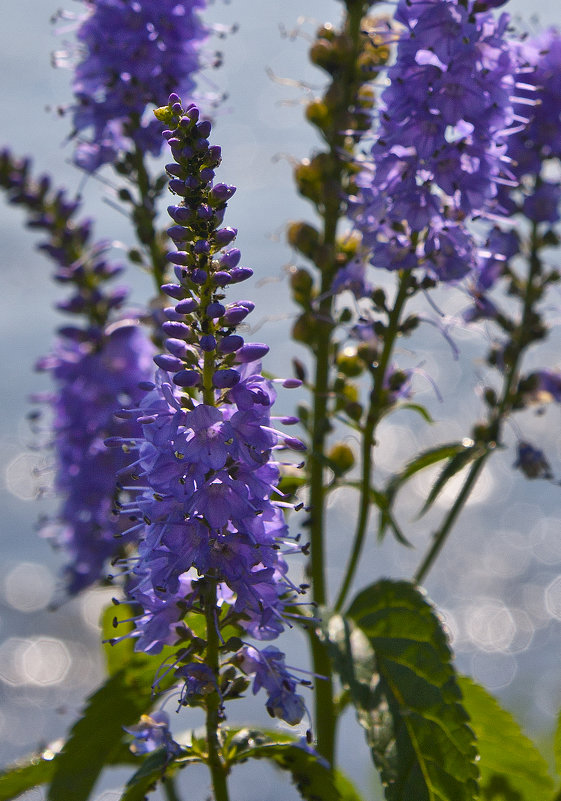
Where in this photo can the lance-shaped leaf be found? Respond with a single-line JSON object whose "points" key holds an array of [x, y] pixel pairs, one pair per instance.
{"points": [[510, 764], [310, 773], [21, 777], [425, 459], [392, 654]]}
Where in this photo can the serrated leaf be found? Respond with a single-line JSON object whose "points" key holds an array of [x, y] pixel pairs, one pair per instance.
{"points": [[392, 654], [18, 778], [510, 764], [244, 744], [313, 779], [97, 737]]}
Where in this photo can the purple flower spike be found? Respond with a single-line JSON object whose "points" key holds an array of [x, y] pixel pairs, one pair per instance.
{"points": [[207, 478], [130, 52]]}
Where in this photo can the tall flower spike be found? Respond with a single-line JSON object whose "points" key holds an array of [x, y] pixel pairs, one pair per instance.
{"points": [[440, 143], [94, 366], [204, 460], [129, 52]]}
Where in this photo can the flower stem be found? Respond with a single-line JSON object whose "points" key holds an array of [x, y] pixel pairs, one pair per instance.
{"points": [[218, 771], [521, 338], [373, 418]]}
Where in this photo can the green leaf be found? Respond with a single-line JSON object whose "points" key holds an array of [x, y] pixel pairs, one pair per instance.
{"points": [[311, 776], [313, 779], [412, 407], [392, 654], [18, 778], [455, 464], [96, 740], [510, 764]]}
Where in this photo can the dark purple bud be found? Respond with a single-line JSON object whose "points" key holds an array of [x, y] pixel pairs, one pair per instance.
{"points": [[200, 145], [204, 212], [291, 383], [174, 98], [199, 277], [176, 108], [235, 314], [295, 444], [206, 175], [178, 233], [214, 156], [201, 246], [169, 363], [192, 114], [178, 187], [169, 135], [215, 310], [224, 236], [221, 278], [230, 344], [192, 182], [170, 314], [221, 193], [180, 214], [224, 379], [289, 421], [204, 128], [180, 257], [186, 378], [252, 352], [230, 259], [173, 290], [240, 274], [175, 170], [176, 329], [187, 306], [207, 343], [177, 347], [146, 419]]}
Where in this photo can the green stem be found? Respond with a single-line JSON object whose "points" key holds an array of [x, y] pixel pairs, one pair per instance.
{"points": [[325, 715], [520, 340], [218, 770], [372, 420], [143, 219]]}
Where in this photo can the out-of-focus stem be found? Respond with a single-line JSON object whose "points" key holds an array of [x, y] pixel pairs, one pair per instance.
{"points": [[498, 415]]}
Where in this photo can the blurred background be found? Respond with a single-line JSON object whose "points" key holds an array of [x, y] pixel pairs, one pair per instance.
{"points": [[498, 582]]}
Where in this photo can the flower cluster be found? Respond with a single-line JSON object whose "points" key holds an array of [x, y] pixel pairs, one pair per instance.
{"points": [[95, 367], [206, 476], [129, 53], [439, 151]]}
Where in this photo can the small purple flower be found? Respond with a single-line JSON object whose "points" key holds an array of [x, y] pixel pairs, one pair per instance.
{"points": [[130, 51], [151, 734], [269, 671], [532, 461]]}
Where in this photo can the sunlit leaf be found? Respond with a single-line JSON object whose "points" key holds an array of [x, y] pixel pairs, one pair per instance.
{"points": [[511, 766], [16, 779], [392, 654]]}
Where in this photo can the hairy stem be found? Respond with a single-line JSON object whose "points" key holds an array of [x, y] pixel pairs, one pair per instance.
{"points": [[325, 717]]}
